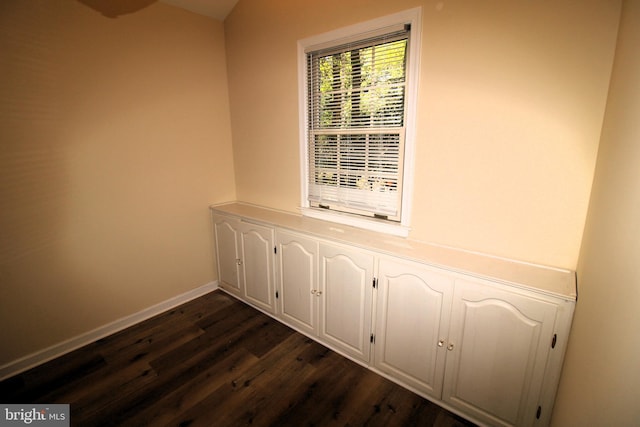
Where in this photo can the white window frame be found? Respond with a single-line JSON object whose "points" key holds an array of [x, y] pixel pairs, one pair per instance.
{"points": [[341, 36]]}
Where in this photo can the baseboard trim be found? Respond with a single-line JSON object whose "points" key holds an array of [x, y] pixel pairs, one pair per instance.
{"points": [[42, 356]]}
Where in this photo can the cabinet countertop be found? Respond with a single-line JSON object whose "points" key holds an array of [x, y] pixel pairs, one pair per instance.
{"points": [[549, 280]]}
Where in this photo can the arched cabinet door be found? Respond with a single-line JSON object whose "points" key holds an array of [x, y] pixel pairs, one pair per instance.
{"points": [[412, 322], [227, 236], [344, 297], [297, 279], [257, 265], [497, 353]]}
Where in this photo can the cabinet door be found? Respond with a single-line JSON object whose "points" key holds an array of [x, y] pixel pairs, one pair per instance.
{"points": [[499, 343], [412, 321], [344, 296], [297, 280], [257, 265], [227, 236]]}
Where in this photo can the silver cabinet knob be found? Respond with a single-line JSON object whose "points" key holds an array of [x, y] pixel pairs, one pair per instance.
{"points": [[441, 343], [450, 347]]}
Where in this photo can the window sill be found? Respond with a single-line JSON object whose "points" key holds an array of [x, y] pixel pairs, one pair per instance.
{"points": [[380, 226]]}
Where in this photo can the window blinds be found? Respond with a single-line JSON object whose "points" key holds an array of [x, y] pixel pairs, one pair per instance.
{"points": [[356, 107]]}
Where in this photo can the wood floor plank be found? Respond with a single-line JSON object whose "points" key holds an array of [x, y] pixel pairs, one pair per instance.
{"points": [[286, 373], [177, 402], [81, 391], [266, 337], [217, 338], [240, 402], [215, 361], [184, 364], [325, 385], [125, 366], [100, 408], [37, 382], [397, 407], [362, 405], [150, 344]]}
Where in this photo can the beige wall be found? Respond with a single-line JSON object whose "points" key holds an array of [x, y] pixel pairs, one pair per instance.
{"points": [[115, 137], [512, 96], [601, 378]]}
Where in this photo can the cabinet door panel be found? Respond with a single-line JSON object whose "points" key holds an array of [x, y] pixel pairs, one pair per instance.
{"points": [[346, 277], [228, 256], [412, 314], [297, 279], [500, 344], [257, 265]]}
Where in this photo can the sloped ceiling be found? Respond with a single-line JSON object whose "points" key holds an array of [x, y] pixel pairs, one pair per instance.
{"points": [[217, 9]]}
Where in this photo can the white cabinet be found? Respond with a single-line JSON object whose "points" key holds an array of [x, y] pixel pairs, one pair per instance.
{"points": [[227, 236], [256, 251], [344, 296], [245, 260], [499, 345], [412, 323], [489, 348], [325, 291], [297, 280], [481, 349]]}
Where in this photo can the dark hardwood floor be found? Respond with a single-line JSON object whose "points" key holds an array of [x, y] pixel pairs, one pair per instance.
{"points": [[215, 361]]}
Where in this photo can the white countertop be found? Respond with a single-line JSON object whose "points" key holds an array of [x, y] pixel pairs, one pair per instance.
{"points": [[550, 280]]}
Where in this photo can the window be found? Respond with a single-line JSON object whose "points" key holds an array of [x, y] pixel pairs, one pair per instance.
{"points": [[358, 90]]}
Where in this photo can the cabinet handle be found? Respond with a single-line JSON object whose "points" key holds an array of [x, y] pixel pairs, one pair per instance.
{"points": [[441, 343], [313, 291], [318, 293], [238, 261], [450, 347]]}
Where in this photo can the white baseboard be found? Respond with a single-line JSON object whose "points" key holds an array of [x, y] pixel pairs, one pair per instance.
{"points": [[39, 357]]}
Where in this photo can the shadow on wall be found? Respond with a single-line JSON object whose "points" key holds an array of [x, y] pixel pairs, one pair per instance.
{"points": [[115, 8]]}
